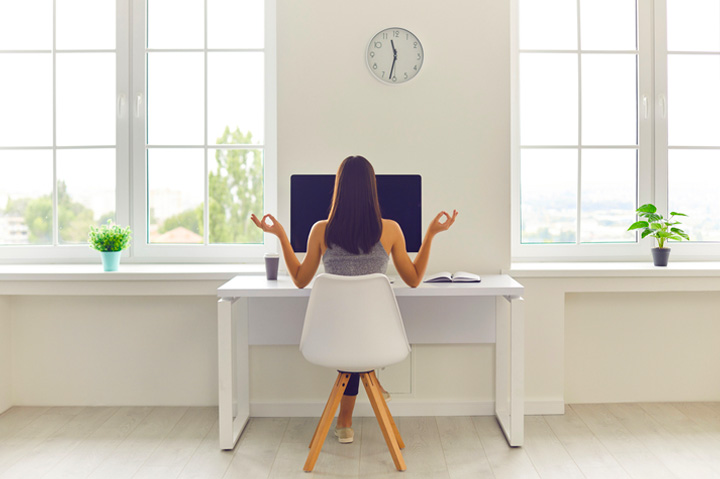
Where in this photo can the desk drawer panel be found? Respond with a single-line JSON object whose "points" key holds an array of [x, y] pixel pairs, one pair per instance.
{"points": [[428, 320]]}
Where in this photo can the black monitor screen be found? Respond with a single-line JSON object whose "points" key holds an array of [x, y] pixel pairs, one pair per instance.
{"points": [[400, 199]]}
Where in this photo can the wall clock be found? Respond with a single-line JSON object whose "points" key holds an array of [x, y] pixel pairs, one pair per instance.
{"points": [[394, 55]]}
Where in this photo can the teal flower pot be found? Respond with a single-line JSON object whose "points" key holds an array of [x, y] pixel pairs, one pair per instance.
{"points": [[110, 260]]}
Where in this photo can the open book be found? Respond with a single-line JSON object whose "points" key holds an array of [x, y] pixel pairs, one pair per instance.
{"points": [[457, 277]]}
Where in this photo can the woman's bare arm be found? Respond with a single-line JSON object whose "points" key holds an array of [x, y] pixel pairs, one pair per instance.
{"points": [[412, 272], [300, 272]]}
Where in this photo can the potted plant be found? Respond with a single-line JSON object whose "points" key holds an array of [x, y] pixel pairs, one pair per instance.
{"points": [[110, 240], [661, 229]]}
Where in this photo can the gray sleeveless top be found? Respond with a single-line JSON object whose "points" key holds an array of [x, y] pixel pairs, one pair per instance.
{"points": [[340, 261]]}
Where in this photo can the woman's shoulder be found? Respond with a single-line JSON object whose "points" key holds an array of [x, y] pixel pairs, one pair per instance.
{"points": [[391, 228], [321, 225], [390, 224]]}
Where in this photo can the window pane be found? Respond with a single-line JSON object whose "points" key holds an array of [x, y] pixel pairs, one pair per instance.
{"points": [[548, 24], [233, 24], [175, 23], [693, 100], [86, 191], [609, 99], [85, 99], [26, 99], [175, 192], [693, 190], [693, 25], [176, 99], [548, 190], [609, 192], [85, 24], [548, 99], [26, 196], [236, 97], [600, 17], [26, 25], [236, 191]]}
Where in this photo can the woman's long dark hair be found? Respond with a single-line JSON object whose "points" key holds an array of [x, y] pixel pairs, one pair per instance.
{"points": [[355, 221]]}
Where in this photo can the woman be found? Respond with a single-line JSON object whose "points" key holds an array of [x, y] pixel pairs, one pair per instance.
{"points": [[355, 240]]}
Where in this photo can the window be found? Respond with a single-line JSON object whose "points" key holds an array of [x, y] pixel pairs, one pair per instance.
{"points": [[692, 61], [59, 139], [606, 117], [157, 114]]}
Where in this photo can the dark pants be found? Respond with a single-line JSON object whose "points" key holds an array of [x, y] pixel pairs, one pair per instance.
{"points": [[353, 384]]}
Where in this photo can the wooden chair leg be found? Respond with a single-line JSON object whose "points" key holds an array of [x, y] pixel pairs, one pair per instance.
{"points": [[382, 414], [325, 421], [383, 403], [341, 376]]}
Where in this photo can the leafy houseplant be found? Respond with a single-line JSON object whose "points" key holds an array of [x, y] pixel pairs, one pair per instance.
{"points": [[662, 229], [110, 240]]}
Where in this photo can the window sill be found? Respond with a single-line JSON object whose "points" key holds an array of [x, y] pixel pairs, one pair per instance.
{"points": [[677, 269], [126, 272]]}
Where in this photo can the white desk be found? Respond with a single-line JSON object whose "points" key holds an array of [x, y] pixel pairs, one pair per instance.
{"points": [[233, 348]]}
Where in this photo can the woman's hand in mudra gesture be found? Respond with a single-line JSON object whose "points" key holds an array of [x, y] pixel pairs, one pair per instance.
{"points": [[437, 225], [274, 227]]}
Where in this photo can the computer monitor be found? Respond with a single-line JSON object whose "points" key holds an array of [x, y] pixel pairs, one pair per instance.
{"points": [[400, 199]]}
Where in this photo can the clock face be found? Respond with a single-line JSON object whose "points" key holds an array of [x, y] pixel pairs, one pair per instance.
{"points": [[394, 55]]}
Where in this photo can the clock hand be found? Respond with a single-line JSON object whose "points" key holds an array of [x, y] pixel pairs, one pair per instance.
{"points": [[394, 58]]}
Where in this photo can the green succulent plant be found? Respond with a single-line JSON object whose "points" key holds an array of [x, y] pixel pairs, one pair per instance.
{"points": [[109, 237], [658, 227]]}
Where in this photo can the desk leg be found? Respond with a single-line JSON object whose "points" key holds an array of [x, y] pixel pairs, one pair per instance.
{"points": [[233, 370], [510, 371]]}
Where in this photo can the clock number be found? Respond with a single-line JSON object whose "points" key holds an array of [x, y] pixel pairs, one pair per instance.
{"points": [[374, 66], [385, 36], [372, 54], [415, 68], [396, 34], [406, 75], [378, 44], [414, 44], [419, 56], [394, 78], [383, 74]]}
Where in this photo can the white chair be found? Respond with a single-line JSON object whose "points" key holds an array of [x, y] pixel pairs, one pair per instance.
{"points": [[353, 324]]}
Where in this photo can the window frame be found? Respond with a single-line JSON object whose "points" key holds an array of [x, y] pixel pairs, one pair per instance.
{"points": [[142, 250], [130, 193], [652, 173], [55, 252]]}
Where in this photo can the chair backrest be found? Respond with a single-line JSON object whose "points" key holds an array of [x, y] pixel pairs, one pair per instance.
{"points": [[353, 324]]}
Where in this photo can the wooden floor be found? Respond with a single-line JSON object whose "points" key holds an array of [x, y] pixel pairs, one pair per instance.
{"points": [[649, 441]]}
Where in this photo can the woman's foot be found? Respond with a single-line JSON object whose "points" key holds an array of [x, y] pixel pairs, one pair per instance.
{"points": [[345, 435]]}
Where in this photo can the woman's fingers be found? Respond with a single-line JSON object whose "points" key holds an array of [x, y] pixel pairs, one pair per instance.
{"points": [[448, 220], [256, 220], [262, 223], [272, 219]]}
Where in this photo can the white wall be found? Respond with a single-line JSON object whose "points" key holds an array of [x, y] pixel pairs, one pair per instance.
{"points": [[94, 350], [450, 124], [617, 339], [5, 354], [629, 347]]}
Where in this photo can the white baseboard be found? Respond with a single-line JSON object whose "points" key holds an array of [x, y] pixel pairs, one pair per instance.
{"points": [[400, 407], [544, 408]]}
